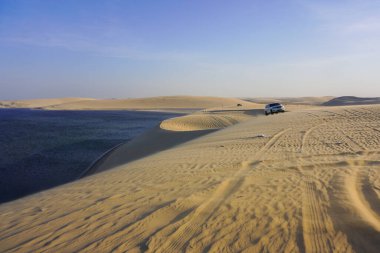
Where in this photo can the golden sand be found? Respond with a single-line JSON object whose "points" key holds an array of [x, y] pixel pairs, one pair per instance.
{"points": [[301, 181], [153, 103]]}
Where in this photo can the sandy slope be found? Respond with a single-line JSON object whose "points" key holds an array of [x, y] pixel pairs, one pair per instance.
{"points": [[292, 100], [199, 122], [211, 119], [351, 100], [152, 103], [170, 133], [306, 181]]}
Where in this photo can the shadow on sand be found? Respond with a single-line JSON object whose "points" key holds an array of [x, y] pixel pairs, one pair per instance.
{"points": [[149, 143]]}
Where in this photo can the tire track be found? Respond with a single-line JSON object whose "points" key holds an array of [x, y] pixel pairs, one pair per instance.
{"points": [[318, 231], [352, 201], [176, 241], [357, 184], [306, 135], [354, 146], [318, 228], [317, 225], [270, 143], [133, 235], [187, 230]]}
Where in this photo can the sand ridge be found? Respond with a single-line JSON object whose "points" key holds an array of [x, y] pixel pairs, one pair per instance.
{"points": [[352, 100], [292, 100], [40, 103], [173, 132], [197, 122], [150, 103], [302, 181]]}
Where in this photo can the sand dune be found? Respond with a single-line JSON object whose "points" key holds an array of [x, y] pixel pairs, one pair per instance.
{"points": [[40, 103], [200, 122], [171, 133], [151, 142], [350, 100], [153, 103], [292, 100], [302, 181]]}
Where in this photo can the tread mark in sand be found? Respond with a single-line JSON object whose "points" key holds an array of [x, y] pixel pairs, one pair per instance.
{"points": [[177, 240], [315, 219]]}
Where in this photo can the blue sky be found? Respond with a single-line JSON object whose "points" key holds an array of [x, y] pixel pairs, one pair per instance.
{"points": [[120, 49]]}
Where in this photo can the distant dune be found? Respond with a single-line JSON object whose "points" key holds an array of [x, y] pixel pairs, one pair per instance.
{"points": [[39, 103], [291, 100], [351, 100], [152, 103]]}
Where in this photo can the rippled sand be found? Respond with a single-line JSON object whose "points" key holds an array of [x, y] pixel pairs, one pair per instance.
{"points": [[302, 181]]}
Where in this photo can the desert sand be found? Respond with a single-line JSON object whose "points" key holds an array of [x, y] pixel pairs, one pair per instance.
{"points": [[292, 100], [166, 103], [301, 181], [352, 100], [39, 103]]}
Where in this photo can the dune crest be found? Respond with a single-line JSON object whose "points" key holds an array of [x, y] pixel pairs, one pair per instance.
{"points": [[40, 103], [291, 100], [352, 100], [198, 122], [150, 103]]}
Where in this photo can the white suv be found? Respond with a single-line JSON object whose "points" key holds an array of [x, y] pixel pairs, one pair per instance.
{"points": [[274, 108]]}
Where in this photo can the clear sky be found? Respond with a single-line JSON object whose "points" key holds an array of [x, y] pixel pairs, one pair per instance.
{"points": [[138, 48]]}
